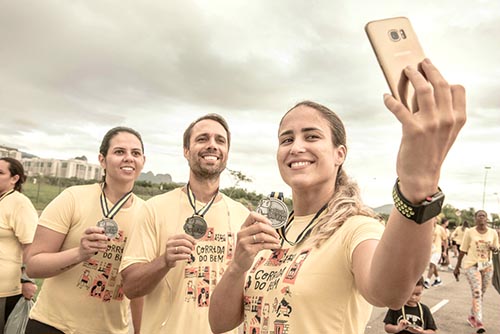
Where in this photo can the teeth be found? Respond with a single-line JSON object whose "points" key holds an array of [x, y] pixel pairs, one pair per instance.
{"points": [[300, 163], [127, 168], [210, 157]]}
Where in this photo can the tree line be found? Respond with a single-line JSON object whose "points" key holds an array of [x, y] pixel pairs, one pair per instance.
{"points": [[41, 190]]}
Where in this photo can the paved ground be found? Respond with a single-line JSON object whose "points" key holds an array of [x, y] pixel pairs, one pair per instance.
{"points": [[453, 302]]}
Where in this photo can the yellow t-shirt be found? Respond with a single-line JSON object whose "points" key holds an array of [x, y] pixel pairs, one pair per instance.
{"points": [[179, 303], [87, 298], [304, 289], [18, 219], [439, 235], [476, 245], [458, 234]]}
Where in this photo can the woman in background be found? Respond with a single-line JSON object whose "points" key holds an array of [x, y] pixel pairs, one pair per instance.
{"points": [[476, 252], [18, 219]]}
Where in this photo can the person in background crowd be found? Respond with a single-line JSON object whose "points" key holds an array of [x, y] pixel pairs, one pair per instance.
{"points": [[439, 244], [445, 258], [476, 253], [18, 219], [413, 318], [78, 247], [457, 236]]}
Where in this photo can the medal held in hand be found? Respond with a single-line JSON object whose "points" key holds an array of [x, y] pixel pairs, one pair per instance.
{"points": [[110, 227], [195, 226], [274, 209]]}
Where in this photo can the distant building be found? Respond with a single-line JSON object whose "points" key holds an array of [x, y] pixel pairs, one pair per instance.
{"points": [[10, 152], [78, 168]]}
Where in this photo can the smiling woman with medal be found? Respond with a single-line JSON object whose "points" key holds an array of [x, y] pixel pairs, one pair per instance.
{"points": [[18, 219], [333, 258], [185, 238], [79, 243]]}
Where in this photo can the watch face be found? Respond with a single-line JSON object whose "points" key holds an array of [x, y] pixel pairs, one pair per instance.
{"points": [[430, 209]]}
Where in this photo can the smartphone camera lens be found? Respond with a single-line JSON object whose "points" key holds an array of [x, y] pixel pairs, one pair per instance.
{"points": [[394, 35]]}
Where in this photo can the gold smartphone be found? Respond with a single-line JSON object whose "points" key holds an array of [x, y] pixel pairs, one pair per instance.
{"points": [[396, 46]]}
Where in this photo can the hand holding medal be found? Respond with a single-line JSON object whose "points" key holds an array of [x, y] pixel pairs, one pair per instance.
{"points": [[92, 242], [256, 234], [179, 248]]}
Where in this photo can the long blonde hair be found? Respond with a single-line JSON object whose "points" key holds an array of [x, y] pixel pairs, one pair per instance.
{"points": [[346, 200]]}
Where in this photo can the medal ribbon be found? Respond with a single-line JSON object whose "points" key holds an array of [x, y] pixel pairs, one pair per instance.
{"points": [[421, 314], [192, 201], [305, 232], [278, 195], [6, 194], [118, 205]]}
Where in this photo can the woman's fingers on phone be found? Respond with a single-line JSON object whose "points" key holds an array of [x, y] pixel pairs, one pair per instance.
{"points": [[423, 89]]}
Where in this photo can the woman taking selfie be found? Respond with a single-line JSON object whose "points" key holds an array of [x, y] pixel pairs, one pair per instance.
{"points": [[321, 271]]}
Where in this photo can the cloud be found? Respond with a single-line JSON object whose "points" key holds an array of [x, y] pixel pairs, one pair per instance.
{"points": [[75, 69]]}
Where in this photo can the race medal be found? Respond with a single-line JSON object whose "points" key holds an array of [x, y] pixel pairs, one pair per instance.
{"points": [[110, 227], [195, 226], [275, 210]]}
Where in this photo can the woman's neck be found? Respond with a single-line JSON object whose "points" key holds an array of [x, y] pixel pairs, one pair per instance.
{"points": [[115, 191], [307, 203], [5, 191]]}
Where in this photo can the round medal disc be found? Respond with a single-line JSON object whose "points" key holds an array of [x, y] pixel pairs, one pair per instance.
{"points": [[195, 226], [275, 210], [110, 227]]}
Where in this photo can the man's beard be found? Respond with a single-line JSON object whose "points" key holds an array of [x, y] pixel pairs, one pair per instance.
{"points": [[207, 173]]}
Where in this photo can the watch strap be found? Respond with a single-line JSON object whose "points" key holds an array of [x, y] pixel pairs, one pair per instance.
{"points": [[420, 213]]}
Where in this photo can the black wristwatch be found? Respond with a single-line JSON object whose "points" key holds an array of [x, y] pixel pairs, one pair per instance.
{"points": [[429, 208]]}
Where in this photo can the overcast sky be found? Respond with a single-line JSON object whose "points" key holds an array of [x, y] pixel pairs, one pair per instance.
{"points": [[71, 70]]}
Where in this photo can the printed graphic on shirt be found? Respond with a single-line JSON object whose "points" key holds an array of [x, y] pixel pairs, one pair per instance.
{"points": [[100, 273], [293, 271], [279, 271], [412, 319], [483, 249], [205, 267]]}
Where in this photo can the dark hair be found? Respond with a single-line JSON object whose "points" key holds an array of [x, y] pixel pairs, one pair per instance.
{"points": [[346, 201], [214, 117], [103, 149], [16, 168], [465, 224], [420, 281], [478, 211]]}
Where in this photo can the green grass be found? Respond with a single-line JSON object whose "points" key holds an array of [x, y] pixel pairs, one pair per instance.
{"points": [[40, 193]]}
